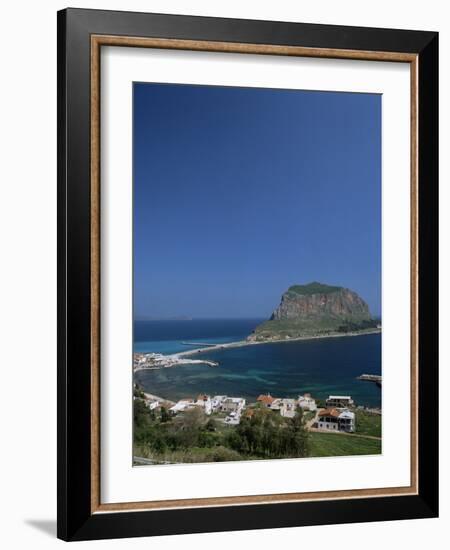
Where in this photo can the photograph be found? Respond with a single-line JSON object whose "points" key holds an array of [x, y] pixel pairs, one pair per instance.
{"points": [[257, 270], [247, 273]]}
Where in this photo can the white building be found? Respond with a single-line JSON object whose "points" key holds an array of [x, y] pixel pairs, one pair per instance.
{"points": [[347, 421], [275, 405], [232, 404], [152, 405], [284, 405], [204, 401], [333, 419], [287, 407], [340, 401], [233, 418], [216, 402], [306, 402], [155, 358], [182, 405]]}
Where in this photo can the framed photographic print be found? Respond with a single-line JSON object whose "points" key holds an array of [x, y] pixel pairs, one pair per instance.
{"points": [[247, 274]]}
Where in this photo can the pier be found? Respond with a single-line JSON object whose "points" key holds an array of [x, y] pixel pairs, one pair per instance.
{"points": [[377, 379], [203, 344]]}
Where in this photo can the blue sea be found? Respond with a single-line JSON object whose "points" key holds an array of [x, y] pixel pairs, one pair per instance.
{"points": [[321, 367]]}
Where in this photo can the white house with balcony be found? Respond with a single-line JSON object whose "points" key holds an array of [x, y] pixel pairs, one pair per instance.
{"points": [[332, 419], [340, 401]]}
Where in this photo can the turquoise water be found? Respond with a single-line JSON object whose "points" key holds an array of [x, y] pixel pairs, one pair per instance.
{"points": [[175, 346], [321, 367]]}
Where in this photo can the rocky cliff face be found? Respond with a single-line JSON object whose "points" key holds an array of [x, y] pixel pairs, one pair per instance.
{"points": [[315, 309], [316, 300]]}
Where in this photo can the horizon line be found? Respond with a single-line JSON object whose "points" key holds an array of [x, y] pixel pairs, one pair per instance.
{"points": [[213, 318]]}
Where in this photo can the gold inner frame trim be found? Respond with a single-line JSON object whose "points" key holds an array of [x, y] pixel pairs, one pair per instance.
{"points": [[97, 41]]}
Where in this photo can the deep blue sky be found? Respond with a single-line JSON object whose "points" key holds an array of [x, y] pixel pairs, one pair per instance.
{"points": [[240, 193]]}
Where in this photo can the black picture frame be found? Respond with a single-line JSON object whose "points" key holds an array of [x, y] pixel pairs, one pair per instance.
{"points": [[75, 519]]}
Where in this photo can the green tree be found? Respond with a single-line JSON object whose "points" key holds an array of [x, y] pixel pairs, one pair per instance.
{"points": [[158, 444], [211, 425], [164, 415], [268, 435], [138, 391], [299, 443], [140, 412], [193, 418]]}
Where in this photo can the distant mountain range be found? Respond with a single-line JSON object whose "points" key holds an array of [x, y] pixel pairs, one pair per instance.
{"points": [[316, 309]]}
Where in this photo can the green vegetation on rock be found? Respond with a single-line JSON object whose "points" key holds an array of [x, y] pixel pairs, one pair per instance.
{"points": [[313, 288]]}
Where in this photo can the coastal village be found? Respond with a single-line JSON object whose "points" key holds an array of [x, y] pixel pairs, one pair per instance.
{"points": [[204, 427], [338, 414]]}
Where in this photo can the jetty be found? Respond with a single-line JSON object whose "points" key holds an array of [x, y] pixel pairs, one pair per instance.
{"points": [[377, 379], [203, 344]]}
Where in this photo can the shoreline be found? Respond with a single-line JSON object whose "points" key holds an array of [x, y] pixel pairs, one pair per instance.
{"points": [[244, 343], [174, 361]]}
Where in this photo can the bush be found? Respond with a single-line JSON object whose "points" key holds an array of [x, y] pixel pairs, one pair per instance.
{"points": [[268, 435], [223, 454]]}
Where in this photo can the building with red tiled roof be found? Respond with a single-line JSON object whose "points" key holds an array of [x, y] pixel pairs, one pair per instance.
{"points": [[342, 420], [266, 400], [334, 413], [203, 397]]}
